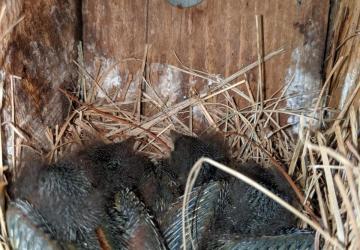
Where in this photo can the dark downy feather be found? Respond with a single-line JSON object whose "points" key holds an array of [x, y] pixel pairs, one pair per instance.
{"points": [[297, 240], [247, 211], [188, 149], [71, 194], [65, 195], [129, 225], [159, 189], [118, 164], [27, 229], [201, 211], [241, 209]]}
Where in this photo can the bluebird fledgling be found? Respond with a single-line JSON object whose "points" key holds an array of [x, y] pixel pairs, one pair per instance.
{"points": [[212, 227], [201, 212], [247, 211], [117, 164], [126, 225], [159, 189], [153, 183], [188, 149], [71, 195], [65, 194], [129, 225], [241, 209], [27, 229]]}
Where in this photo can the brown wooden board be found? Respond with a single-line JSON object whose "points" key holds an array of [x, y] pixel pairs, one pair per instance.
{"points": [[114, 38], [218, 37], [40, 51]]}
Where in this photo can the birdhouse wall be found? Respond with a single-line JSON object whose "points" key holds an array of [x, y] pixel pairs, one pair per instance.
{"points": [[216, 37], [37, 57], [123, 41]]}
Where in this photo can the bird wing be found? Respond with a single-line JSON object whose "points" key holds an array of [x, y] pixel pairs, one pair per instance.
{"points": [[201, 211], [27, 229]]}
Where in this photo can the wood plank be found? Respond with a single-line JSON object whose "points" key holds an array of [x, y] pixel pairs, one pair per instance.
{"points": [[41, 50], [114, 38], [218, 37]]}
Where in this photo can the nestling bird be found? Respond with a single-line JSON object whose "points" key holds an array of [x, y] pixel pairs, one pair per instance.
{"points": [[104, 196], [188, 149], [210, 227], [240, 208], [247, 211], [126, 225], [72, 196], [129, 225], [159, 189], [118, 164], [27, 229], [201, 214], [67, 196]]}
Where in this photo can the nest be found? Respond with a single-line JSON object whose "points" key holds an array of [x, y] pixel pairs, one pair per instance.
{"points": [[321, 163]]}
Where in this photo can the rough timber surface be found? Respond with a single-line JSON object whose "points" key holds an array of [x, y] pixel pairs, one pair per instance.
{"points": [[40, 50], [114, 38], [218, 37]]}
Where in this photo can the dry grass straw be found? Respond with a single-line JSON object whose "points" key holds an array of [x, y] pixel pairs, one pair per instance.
{"points": [[254, 130], [329, 162], [192, 178], [321, 166], [324, 156], [3, 181]]}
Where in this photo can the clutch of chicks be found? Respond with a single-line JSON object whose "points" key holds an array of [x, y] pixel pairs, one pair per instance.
{"points": [[107, 196]]}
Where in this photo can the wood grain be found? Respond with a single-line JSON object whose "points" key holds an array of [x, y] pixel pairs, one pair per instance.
{"points": [[40, 50], [218, 37]]}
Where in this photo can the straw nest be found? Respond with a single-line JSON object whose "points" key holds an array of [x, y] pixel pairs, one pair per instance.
{"points": [[321, 164]]}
